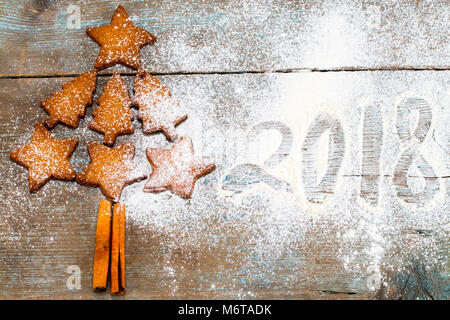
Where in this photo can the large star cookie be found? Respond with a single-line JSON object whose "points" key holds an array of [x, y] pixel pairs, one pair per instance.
{"points": [[113, 115], [120, 41], [45, 158], [69, 104], [111, 168], [157, 109], [176, 169]]}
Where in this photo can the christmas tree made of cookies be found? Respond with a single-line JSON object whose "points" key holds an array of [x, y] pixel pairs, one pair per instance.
{"points": [[113, 167]]}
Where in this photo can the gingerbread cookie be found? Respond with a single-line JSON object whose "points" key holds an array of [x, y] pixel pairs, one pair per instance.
{"points": [[113, 115], [120, 41], [176, 169], [158, 110], [111, 168], [45, 158], [69, 104]]}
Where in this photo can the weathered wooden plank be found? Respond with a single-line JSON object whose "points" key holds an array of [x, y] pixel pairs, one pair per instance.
{"points": [[42, 37], [238, 237]]}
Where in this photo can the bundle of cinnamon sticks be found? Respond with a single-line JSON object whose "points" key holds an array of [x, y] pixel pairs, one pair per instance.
{"points": [[110, 248]]}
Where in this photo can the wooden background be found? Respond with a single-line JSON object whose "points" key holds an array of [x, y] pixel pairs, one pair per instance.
{"points": [[234, 65]]}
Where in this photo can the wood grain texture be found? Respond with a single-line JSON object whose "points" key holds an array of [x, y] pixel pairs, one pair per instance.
{"points": [[234, 240], [236, 36]]}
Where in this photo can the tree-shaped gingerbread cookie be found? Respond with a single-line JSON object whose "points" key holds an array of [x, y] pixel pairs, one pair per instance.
{"points": [[158, 110], [113, 115], [69, 104]]}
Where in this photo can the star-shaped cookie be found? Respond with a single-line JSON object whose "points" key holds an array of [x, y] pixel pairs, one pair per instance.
{"points": [[111, 168], [158, 110], [45, 158], [120, 41], [176, 169]]}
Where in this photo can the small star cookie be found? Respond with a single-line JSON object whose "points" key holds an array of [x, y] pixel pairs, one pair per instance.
{"points": [[176, 169], [45, 158], [120, 41], [111, 168], [157, 109], [113, 115], [69, 104]]}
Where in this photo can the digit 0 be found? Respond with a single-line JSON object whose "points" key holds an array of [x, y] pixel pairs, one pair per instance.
{"points": [[318, 193]]}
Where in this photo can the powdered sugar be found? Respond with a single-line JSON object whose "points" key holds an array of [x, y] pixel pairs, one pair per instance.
{"points": [[243, 35], [157, 109], [253, 236], [272, 223]]}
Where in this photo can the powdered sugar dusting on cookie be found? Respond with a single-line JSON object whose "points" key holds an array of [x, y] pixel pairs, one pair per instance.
{"points": [[158, 110], [45, 157], [113, 116], [176, 169], [111, 169], [120, 41], [69, 104]]}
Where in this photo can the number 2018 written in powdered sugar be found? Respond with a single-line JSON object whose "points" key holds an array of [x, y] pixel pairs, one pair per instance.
{"points": [[372, 139]]}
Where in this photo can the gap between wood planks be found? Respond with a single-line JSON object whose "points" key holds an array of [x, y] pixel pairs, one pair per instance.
{"points": [[182, 73]]}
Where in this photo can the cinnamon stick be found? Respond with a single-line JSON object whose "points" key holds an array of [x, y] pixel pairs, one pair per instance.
{"points": [[118, 250], [122, 247], [102, 246]]}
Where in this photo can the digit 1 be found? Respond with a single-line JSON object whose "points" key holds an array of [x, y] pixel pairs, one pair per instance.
{"points": [[371, 154]]}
